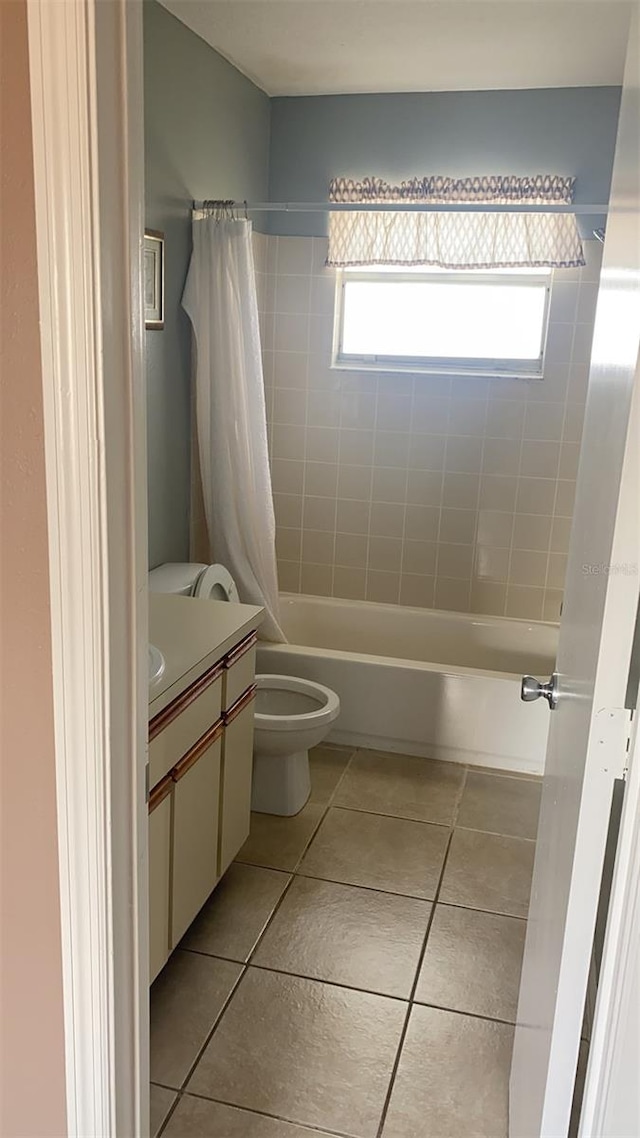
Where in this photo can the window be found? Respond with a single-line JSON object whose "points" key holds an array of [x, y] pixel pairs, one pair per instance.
{"points": [[469, 322]]}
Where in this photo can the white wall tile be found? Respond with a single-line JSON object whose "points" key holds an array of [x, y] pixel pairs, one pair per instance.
{"points": [[383, 587], [420, 489]]}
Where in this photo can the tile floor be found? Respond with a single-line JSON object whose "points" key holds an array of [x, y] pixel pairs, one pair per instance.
{"points": [[356, 972]]}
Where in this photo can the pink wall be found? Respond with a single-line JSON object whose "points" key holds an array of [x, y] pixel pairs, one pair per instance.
{"points": [[31, 1030]]}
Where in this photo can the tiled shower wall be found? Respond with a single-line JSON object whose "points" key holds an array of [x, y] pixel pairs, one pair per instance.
{"points": [[445, 492]]}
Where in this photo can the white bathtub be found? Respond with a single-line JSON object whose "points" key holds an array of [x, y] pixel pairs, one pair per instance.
{"points": [[421, 681]]}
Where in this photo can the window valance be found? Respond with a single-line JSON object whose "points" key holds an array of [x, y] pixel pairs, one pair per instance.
{"points": [[455, 240]]}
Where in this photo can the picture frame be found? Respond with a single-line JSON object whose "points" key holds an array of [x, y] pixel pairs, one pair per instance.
{"points": [[153, 279]]}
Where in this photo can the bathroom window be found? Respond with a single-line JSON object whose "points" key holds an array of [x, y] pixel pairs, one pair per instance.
{"points": [[471, 322]]}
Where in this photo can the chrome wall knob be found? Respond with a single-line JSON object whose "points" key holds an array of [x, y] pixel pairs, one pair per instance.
{"points": [[532, 689]]}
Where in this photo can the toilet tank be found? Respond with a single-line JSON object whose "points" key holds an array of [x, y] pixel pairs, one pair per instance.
{"points": [[175, 577]]}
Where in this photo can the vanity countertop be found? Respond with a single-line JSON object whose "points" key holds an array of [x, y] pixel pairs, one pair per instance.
{"points": [[192, 634]]}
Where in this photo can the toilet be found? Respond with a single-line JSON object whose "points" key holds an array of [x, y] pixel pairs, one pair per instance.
{"points": [[292, 715]]}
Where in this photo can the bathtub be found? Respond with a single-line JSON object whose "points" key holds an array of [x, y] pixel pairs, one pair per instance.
{"points": [[420, 681]]}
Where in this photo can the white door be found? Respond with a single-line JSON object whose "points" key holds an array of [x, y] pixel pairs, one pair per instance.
{"points": [[589, 727]]}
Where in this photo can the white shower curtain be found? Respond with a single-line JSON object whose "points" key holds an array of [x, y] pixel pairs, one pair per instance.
{"points": [[221, 302]]}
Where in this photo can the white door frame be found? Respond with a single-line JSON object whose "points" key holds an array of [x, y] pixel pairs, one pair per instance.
{"points": [[87, 112], [85, 60]]}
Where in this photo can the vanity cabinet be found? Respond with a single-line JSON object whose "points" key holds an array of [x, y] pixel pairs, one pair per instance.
{"points": [[200, 764]]}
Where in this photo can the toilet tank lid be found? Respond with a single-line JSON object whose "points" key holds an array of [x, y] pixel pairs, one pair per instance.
{"points": [[175, 576]]}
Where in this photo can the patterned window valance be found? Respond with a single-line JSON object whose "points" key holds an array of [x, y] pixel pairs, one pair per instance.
{"points": [[455, 240]]}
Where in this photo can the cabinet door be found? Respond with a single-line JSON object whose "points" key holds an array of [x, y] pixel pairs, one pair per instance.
{"points": [[195, 831], [159, 875], [236, 778]]}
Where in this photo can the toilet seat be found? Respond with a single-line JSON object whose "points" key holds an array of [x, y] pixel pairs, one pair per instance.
{"points": [[215, 583], [322, 704]]}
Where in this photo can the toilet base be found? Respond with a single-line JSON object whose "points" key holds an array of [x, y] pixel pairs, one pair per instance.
{"points": [[281, 783]]}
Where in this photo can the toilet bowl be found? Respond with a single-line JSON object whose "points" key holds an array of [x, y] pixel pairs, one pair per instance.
{"points": [[292, 715]]}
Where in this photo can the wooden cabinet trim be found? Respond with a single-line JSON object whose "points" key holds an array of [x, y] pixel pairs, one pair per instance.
{"points": [[168, 714], [243, 647], [196, 752], [160, 792], [240, 704]]}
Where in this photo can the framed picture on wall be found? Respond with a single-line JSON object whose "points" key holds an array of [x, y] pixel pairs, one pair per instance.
{"points": [[153, 279]]}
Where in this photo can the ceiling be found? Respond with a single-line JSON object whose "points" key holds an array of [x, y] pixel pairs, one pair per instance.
{"points": [[320, 47]]}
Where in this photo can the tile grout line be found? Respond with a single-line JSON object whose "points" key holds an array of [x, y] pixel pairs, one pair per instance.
{"points": [[183, 1093], [458, 802], [392, 817], [368, 888], [403, 536], [398, 817], [171, 1111], [333, 983], [459, 1012], [305, 436], [410, 1000], [405, 1029], [327, 807], [474, 542], [369, 498], [312, 1129], [217, 1020]]}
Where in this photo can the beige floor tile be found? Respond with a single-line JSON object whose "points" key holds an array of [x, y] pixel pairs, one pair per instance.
{"points": [[401, 785], [186, 1000], [392, 854], [200, 1118], [328, 765], [308, 1052], [500, 804], [473, 963], [486, 871], [278, 842], [453, 1078], [160, 1102], [358, 937], [236, 913]]}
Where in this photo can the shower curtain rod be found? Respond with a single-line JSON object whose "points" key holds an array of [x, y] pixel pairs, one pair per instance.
{"points": [[401, 207]]}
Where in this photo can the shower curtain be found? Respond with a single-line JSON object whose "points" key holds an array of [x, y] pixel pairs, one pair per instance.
{"points": [[221, 302]]}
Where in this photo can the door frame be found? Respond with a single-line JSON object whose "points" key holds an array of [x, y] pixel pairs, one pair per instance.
{"points": [[86, 65], [85, 59]]}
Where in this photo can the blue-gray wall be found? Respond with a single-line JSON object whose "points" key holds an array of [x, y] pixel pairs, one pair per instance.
{"points": [[206, 135], [566, 131], [211, 133]]}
